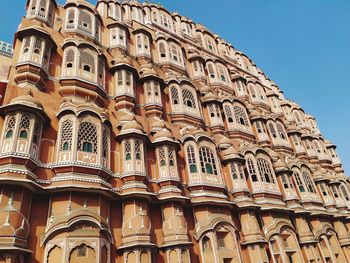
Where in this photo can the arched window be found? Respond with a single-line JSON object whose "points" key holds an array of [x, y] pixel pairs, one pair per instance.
{"points": [[162, 51], [211, 71], [87, 137], [142, 44], [10, 126], [118, 37], [174, 95], [87, 60], [236, 171], [188, 99], [176, 54], [240, 115], [281, 131], [299, 181], [191, 159], [24, 126], [85, 21], [251, 169], [222, 71], [70, 23], [138, 150], [152, 91], [66, 135], [70, 58], [127, 150], [228, 113], [308, 182], [344, 192], [125, 83], [272, 130], [207, 160], [265, 170]]}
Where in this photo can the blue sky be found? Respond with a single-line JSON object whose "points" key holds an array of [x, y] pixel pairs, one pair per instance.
{"points": [[302, 45]]}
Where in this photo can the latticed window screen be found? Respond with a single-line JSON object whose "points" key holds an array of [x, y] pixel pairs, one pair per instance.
{"points": [[87, 60], [265, 170], [228, 113], [138, 150], [24, 126], [211, 70], [280, 130], [171, 156], [299, 181], [251, 169], [66, 135], [236, 171], [308, 182], [188, 98], [85, 21], [105, 143], [127, 150], [285, 181], [211, 110], [174, 95], [70, 55], [162, 50], [37, 132], [191, 159], [11, 122], [37, 45], [71, 18], [345, 193], [272, 130], [323, 189], [222, 73], [207, 159], [240, 115], [162, 158], [87, 137]]}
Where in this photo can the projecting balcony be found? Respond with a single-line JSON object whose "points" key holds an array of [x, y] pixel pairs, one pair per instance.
{"points": [[83, 83], [186, 114]]}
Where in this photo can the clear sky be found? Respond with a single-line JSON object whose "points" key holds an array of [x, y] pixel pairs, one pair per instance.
{"points": [[302, 45]]}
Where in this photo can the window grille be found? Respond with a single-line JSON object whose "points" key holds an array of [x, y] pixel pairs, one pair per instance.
{"points": [[85, 21], [298, 181], [240, 116], [127, 150], [24, 126], [162, 156], [105, 143], [11, 122], [174, 95], [308, 182], [188, 98], [251, 169], [272, 130], [191, 158], [87, 61], [265, 170], [207, 160], [138, 150], [66, 135], [281, 132], [228, 113], [87, 137]]}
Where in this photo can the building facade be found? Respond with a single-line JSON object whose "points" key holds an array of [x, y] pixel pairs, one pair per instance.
{"points": [[131, 134], [6, 52]]}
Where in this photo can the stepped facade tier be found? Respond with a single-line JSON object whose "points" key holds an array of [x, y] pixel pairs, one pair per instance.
{"points": [[132, 134]]}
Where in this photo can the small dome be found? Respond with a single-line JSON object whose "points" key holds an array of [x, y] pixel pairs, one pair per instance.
{"points": [[27, 100], [209, 97], [164, 133], [204, 89], [157, 124], [132, 125]]}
